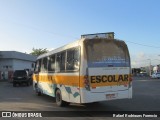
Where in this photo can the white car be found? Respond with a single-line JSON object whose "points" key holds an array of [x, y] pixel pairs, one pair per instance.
{"points": [[155, 75]]}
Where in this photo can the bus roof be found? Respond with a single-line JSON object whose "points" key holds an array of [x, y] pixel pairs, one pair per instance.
{"points": [[73, 44]]}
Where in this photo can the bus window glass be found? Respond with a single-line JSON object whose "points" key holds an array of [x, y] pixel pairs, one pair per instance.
{"points": [[51, 63], [76, 59], [73, 59], [63, 56], [60, 62], [44, 65], [37, 66], [107, 53]]}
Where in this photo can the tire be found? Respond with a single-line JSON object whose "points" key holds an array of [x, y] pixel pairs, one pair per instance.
{"points": [[31, 82], [59, 100], [14, 84], [38, 92], [27, 83]]}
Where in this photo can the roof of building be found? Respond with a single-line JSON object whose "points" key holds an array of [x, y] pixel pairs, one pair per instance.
{"points": [[17, 55]]}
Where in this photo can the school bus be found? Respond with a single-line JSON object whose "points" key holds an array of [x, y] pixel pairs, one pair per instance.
{"points": [[92, 69]]}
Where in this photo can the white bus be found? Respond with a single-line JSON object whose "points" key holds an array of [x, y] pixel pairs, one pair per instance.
{"points": [[95, 68]]}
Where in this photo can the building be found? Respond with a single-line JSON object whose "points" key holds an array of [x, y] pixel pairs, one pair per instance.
{"points": [[13, 60], [156, 69]]}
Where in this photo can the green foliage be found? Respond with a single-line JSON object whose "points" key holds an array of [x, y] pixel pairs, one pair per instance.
{"points": [[39, 51]]}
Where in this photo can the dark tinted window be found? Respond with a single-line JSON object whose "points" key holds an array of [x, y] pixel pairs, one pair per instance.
{"points": [[51, 63], [73, 59], [20, 73]]}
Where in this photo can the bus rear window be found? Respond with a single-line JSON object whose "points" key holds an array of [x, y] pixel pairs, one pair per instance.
{"points": [[107, 53]]}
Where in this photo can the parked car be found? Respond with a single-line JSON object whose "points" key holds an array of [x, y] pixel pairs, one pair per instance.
{"points": [[143, 74], [21, 77], [155, 75]]}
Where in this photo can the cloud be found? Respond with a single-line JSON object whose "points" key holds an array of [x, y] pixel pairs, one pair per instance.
{"points": [[141, 55], [141, 59], [50, 49], [138, 60]]}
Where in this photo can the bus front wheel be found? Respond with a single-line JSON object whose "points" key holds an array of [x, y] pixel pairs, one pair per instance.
{"points": [[59, 100], [38, 92]]}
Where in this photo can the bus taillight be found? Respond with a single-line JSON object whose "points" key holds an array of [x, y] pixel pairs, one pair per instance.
{"points": [[130, 79], [86, 82]]}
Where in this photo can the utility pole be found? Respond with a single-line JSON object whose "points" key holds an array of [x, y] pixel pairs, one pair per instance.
{"points": [[149, 66]]}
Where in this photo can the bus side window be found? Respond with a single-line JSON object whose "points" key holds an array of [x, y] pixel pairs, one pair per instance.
{"points": [[63, 57], [60, 61], [37, 66], [51, 63], [44, 65], [76, 59], [58, 56], [72, 59], [70, 62]]}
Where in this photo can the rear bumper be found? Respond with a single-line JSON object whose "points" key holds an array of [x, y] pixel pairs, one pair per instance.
{"points": [[20, 81], [89, 97]]}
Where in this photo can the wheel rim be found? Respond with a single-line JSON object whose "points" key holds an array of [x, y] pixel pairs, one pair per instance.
{"points": [[58, 98]]}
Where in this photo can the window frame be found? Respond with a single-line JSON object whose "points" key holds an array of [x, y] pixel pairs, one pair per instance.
{"points": [[59, 70], [42, 69], [79, 58], [56, 69], [37, 69], [50, 62]]}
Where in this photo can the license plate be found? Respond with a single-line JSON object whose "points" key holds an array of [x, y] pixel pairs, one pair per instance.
{"points": [[19, 77], [111, 96]]}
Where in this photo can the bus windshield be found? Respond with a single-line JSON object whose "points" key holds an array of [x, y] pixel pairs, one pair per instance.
{"points": [[107, 53]]}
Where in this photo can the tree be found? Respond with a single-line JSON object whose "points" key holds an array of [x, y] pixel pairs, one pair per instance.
{"points": [[39, 51]]}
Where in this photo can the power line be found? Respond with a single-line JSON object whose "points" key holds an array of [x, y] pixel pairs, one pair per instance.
{"points": [[71, 36], [144, 61], [39, 29], [143, 44]]}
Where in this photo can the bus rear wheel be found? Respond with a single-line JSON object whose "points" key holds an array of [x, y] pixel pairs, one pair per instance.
{"points": [[59, 100]]}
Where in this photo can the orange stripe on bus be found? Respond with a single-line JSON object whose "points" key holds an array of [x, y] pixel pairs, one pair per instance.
{"points": [[74, 80]]}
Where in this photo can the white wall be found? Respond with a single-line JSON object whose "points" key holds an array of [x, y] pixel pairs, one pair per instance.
{"points": [[21, 64], [13, 64], [6, 62], [4, 70]]}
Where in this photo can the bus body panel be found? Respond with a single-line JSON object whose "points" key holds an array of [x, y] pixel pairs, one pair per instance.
{"points": [[116, 82], [67, 83], [117, 78], [89, 97]]}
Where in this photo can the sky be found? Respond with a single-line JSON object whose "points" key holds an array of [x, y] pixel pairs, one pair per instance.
{"points": [[28, 24]]}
